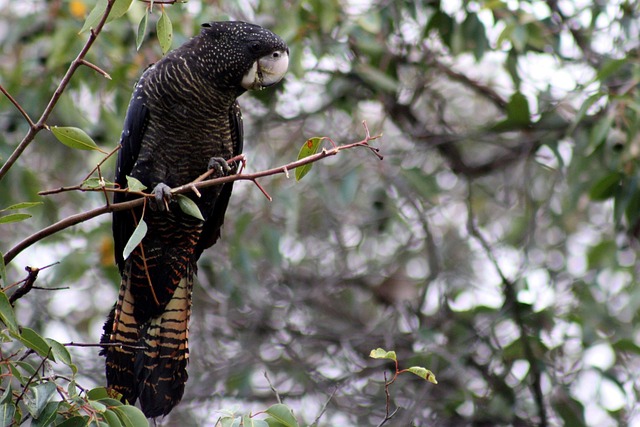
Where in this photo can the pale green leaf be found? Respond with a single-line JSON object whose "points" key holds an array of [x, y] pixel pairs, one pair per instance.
{"points": [[189, 207], [47, 415], [111, 418], [120, 7], [7, 411], [42, 394], [282, 414], [23, 205], [35, 342], [61, 354], [74, 138], [423, 373], [309, 148], [7, 315], [95, 15], [164, 30], [15, 217], [135, 239], [134, 184], [380, 353], [142, 29], [130, 416]]}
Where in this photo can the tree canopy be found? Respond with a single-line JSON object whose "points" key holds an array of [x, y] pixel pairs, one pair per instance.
{"points": [[495, 244]]}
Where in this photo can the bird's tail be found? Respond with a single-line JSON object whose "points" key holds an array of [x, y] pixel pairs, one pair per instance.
{"points": [[151, 362]]}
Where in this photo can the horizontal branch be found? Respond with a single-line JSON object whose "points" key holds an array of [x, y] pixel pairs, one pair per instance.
{"points": [[190, 187]]}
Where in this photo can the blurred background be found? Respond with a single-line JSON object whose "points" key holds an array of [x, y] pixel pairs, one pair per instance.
{"points": [[495, 244]]}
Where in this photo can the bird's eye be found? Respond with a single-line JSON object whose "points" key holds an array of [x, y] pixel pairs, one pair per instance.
{"points": [[255, 46], [275, 54]]}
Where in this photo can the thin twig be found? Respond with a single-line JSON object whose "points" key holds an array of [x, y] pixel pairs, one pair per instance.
{"points": [[273, 389], [95, 67], [31, 378], [28, 283], [18, 106], [324, 407]]}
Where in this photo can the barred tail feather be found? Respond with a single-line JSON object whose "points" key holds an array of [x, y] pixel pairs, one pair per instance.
{"points": [[163, 365], [156, 374], [122, 328]]}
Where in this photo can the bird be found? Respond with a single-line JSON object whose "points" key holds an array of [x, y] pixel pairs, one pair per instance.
{"points": [[183, 119]]}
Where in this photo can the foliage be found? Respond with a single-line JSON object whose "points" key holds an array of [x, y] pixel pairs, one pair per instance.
{"points": [[496, 243]]}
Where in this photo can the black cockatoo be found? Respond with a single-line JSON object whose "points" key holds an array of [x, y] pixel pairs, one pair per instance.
{"points": [[183, 119]]}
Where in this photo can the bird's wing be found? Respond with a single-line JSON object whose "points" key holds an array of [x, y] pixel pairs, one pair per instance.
{"points": [[135, 124], [213, 224]]}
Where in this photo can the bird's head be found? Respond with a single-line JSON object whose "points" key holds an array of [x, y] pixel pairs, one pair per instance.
{"points": [[244, 55]]}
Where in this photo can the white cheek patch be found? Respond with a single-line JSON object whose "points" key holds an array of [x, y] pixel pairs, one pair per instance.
{"points": [[250, 80]]}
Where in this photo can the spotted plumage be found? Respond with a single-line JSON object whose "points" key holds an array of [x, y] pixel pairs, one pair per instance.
{"points": [[183, 118]]}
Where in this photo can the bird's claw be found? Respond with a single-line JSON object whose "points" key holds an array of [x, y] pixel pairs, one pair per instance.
{"points": [[161, 197], [220, 166]]}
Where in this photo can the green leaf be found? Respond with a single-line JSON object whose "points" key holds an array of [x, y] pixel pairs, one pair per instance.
{"points": [[423, 373], [142, 29], [111, 418], [380, 353], [96, 183], [609, 68], [47, 415], [518, 110], [15, 217], [7, 315], [605, 187], [74, 138], [229, 421], [98, 406], [120, 7], [98, 393], [34, 341], [42, 394], [130, 416], [282, 414], [164, 31], [570, 410], [134, 184], [599, 132], [135, 239], [247, 421], [189, 207], [7, 411], [95, 15], [309, 148], [61, 354], [23, 205]]}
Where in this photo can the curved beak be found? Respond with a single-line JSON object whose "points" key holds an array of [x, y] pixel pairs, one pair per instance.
{"points": [[267, 71]]}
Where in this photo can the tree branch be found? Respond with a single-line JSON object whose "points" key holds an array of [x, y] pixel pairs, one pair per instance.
{"points": [[35, 128], [198, 184], [511, 305]]}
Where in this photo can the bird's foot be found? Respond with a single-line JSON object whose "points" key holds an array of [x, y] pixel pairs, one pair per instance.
{"points": [[161, 197], [220, 166]]}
